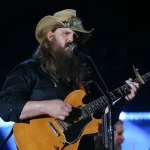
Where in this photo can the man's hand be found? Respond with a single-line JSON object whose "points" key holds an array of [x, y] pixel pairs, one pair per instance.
{"points": [[57, 109], [134, 87]]}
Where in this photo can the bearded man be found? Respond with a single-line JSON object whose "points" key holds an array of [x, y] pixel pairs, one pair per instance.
{"points": [[37, 87]]}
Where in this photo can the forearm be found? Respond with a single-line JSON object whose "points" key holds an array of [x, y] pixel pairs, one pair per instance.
{"points": [[32, 109]]}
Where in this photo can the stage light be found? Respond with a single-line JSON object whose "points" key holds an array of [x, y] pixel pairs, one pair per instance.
{"points": [[134, 116], [122, 116]]}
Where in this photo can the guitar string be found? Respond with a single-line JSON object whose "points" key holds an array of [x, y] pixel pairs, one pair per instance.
{"points": [[92, 106]]}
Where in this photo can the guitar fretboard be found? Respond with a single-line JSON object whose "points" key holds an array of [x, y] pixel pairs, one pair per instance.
{"points": [[117, 93]]}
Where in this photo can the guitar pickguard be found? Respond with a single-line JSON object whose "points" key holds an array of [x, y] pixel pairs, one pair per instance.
{"points": [[75, 130]]}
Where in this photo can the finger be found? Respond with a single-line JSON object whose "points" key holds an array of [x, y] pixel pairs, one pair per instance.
{"points": [[61, 117], [130, 79], [137, 85], [64, 113], [132, 94], [67, 108], [68, 105], [131, 84], [127, 97]]}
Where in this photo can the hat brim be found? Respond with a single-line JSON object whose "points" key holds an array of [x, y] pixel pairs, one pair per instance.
{"points": [[84, 34], [48, 23]]}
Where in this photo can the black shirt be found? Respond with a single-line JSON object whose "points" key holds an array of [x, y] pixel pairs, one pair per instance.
{"points": [[27, 81]]}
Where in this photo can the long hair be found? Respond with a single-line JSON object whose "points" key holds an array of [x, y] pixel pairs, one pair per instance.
{"points": [[56, 62]]}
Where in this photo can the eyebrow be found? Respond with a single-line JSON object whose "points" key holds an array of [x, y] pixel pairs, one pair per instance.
{"points": [[75, 33], [65, 30]]}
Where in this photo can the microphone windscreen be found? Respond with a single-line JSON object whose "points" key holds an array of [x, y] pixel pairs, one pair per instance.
{"points": [[72, 48]]}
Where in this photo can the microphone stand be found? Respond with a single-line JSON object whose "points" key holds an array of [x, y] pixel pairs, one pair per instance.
{"points": [[107, 122]]}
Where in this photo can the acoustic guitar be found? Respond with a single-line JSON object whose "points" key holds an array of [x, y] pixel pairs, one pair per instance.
{"points": [[54, 134]]}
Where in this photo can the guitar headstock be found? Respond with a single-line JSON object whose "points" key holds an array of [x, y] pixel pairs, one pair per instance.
{"points": [[137, 74]]}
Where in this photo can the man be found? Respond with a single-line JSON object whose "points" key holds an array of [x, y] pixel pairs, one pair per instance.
{"points": [[118, 135], [38, 86]]}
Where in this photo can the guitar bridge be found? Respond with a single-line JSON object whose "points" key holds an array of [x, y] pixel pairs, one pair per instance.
{"points": [[53, 129], [58, 122]]}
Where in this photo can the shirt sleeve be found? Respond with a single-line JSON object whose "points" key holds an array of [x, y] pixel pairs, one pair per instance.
{"points": [[118, 106], [15, 93]]}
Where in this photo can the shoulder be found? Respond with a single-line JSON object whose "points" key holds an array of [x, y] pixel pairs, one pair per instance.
{"points": [[32, 62], [26, 65], [21, 73]]}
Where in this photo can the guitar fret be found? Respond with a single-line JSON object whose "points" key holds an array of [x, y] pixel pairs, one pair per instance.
{"points": [[119, 91], [122, 87], [96, 104], [99, 105], [99, 102], [144, 78], [102, 102], [85, 110], [138, 80], [105, 99], [127, 87], [91, 107], [86, 107], [112, 95], [148, 74]]}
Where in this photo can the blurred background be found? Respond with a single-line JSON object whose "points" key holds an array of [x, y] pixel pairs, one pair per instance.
{"points": [[120, 40]]}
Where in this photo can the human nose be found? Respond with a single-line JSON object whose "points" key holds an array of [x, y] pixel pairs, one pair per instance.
{"points": [[123, 138], [70, 38]]}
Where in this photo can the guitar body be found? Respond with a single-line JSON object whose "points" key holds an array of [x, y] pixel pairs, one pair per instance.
{"points": [[54, 134]]}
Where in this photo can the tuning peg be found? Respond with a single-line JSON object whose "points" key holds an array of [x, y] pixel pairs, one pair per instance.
{"points": [[136, 71]]}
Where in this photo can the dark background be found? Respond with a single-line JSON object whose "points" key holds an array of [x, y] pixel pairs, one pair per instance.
{"points": [[120, 39]]}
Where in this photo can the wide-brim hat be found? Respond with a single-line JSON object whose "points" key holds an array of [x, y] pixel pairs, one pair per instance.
{"points": [[65, 18]]}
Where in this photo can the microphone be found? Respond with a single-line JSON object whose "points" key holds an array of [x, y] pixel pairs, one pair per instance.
{"points": [[73, 48]]}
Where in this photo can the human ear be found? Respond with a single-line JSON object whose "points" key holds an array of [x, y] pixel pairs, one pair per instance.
{"points": [[50, 36]]}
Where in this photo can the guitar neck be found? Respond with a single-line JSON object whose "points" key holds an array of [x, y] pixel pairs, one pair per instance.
{"points": [[117, 93]]}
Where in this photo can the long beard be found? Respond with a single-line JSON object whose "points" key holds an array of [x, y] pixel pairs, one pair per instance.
{"points": [[68, 67], [65, 66]]}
